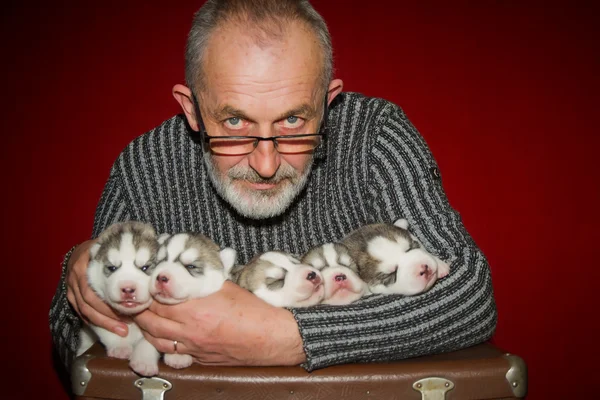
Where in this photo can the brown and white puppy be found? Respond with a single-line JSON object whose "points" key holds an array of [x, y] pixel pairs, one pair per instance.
{"points": [[340, 273], [281, 280], [190, 265], [392, 261], [119, 272]]}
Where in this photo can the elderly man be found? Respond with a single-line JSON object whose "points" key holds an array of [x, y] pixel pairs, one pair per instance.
{"points": [[270, 154]]}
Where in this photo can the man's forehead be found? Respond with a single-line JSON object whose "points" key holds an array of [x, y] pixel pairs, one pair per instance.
{"points": [[237, 71]]}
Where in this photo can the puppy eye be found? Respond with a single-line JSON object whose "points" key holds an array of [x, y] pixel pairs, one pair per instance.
{"points": [[144, 268], [111, 268], [190, 266], [274, 284], [391, 279], [388, 279]]}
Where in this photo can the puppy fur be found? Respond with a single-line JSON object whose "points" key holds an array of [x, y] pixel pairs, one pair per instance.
{"points": [[392, 261], [190, 265], [119, 272], [340, 273], [281, 280]]}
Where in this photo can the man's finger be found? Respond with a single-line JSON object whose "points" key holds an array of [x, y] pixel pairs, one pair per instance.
{"points": [[78, 303], [73, 302], [166, 345], [166, 311], [160, 327], [91, 298], [90, 315]]}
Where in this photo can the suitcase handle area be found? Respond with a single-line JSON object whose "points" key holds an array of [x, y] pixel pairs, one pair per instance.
{"points": [[153, 388]]}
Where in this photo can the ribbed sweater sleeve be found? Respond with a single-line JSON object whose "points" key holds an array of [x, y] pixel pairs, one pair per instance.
{"points": [[459, 311], [64, 322]]}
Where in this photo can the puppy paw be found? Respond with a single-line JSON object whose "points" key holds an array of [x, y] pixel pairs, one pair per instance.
{"points": [[122, 352], [144, 367], [178, 360], [443, 269]]}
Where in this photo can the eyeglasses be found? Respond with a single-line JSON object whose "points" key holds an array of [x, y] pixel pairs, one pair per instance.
{"points": [[242, 145]]}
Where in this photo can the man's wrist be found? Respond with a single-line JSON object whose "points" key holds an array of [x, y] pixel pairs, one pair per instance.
{"points": [[293, 343]]}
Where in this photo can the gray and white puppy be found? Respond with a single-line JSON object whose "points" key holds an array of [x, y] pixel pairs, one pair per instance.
{"points": [[119, 272], [392, 261], [340, 273], [281, 280], [189, 265]]}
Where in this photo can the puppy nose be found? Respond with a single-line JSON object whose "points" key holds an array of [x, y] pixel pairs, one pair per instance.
{"points": [[340, 277], [313, 277], [128, 290], [424, 270], [162, 278]]}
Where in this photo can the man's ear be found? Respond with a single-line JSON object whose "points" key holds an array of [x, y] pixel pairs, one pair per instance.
{"points": [[335, 88], [183, 95]]}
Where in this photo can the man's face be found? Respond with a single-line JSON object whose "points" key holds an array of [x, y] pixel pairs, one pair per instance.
{"points": [[265, 91]]}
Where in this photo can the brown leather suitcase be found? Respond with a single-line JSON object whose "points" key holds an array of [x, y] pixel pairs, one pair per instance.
{"points": [[479, 372]]}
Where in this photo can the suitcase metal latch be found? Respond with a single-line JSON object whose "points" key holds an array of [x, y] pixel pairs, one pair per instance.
{"points": [[153, 388], [433, 388]]}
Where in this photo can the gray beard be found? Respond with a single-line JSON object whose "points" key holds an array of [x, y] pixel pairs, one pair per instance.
{"points": [[253, 203]]}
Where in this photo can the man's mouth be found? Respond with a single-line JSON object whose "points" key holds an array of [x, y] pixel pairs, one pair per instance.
{"points": [[262, 186]]}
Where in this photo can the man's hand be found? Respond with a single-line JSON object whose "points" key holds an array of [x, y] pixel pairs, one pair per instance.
{"points": [[82, 297], [230, 327]]}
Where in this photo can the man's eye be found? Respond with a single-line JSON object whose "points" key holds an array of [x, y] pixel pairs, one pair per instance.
{"points": [[234, 123], [292, 122]]}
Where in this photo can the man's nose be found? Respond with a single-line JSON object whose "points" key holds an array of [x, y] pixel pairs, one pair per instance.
{"points": [[265, 159]]}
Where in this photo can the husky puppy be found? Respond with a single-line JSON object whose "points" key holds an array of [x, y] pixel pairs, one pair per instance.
{"points": [[340, 273], [391, 260], [190, 265], [119, 272], [281, 280]]}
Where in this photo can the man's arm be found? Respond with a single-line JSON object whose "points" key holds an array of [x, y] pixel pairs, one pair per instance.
{"points": [[457, 312], [73, 297]]}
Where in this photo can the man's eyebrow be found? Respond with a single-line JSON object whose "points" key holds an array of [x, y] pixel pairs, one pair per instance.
{"points": [[228, 111], [305, 110]]}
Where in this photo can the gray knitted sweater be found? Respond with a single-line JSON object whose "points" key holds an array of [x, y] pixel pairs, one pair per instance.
{"points": [[374, 167]]}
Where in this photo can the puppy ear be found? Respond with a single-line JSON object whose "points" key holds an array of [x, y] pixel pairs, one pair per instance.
{"points": [[401, 223], [228, 257], [94, 249], [162, 238], [443, 268]]}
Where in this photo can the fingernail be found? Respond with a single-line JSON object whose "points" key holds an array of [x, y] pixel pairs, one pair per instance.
{"points": [[119, 330]]}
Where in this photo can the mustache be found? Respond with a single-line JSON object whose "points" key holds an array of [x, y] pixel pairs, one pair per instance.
{"points": [[285, 171]]}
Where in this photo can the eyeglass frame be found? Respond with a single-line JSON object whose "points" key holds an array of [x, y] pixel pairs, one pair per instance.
{"points": [[257, 139]]}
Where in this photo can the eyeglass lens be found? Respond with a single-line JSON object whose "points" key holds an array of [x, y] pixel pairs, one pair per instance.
{"points": [[237, 146]]}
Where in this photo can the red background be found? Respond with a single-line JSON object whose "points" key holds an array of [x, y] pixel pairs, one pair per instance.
{"points": [[506, 94]]}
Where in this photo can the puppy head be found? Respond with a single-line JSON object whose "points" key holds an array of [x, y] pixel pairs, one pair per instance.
{"points": [[281, 280], [391, 260], [339, 271], [190, 265], [120, 264]]}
